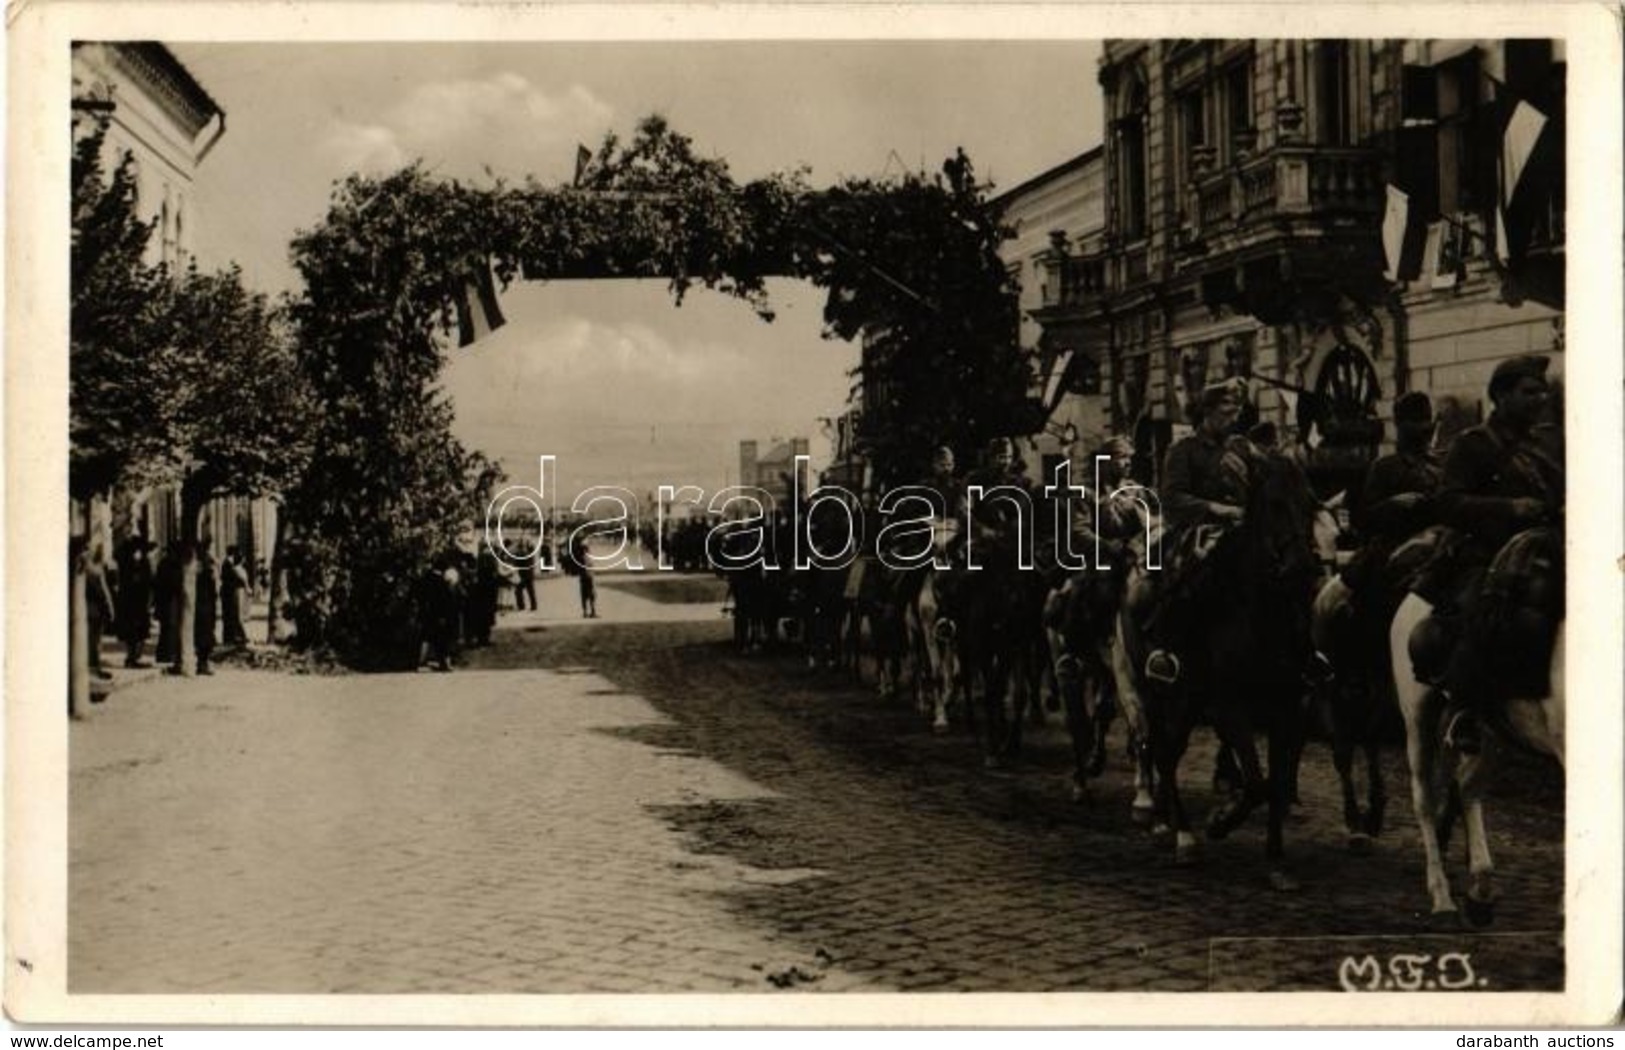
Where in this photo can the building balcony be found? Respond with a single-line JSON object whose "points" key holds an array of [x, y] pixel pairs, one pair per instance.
{"points": [[1074, 282], [1307, 185], [1073, 279]]}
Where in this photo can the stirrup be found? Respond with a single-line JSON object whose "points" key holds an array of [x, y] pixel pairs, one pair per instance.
{"points": [[1162, 666]]}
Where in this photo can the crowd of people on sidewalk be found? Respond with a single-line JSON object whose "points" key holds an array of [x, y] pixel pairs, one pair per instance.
{"points": [[127, 596]]}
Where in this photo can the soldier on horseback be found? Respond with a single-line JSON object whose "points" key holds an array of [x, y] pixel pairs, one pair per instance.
{"points": [[1397, 499], [1502, 477], [1204, 486]]}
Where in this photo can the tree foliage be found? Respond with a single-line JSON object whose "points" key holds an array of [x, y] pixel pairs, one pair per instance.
{"points": [[116, 326], [187, 378], [241, 421], [389, 487]]}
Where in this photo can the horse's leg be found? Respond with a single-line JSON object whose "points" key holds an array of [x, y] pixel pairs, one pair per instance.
{"points": [[1480, 897], [1168, 750], [1343, 746], [1099, 708], [1378, 791], [1068, 681], [1235, 732], [1286, 733], [1421, 748], [1128, 697]]}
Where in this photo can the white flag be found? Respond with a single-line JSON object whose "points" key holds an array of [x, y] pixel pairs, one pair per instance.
{"points": [[1393, 229], [1523, 131]]}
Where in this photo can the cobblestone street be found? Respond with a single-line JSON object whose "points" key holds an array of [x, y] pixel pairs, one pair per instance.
{"points": [[629, 805]]}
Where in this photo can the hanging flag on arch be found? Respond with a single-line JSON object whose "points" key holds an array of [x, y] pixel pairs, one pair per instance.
{"points": [[478, 312]]}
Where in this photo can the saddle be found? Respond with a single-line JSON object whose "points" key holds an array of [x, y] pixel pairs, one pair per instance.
{"points": [[1511, 623], [1519, 608]]}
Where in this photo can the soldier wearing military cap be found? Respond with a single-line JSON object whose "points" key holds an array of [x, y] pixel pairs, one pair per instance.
{"points": [[1501, 477], [1397, 498], [1204, 482]]}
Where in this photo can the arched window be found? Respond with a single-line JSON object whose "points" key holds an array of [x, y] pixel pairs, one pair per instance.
{"points": [[1129, 135]]}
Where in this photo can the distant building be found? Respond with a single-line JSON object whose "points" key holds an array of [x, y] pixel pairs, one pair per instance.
{"points": [[164, 118], [1245, 205], [1062, 209], [775, 469]]}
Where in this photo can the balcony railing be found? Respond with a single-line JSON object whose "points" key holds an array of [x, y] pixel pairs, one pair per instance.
{"points": [[1073, 279], [1290, 181]]}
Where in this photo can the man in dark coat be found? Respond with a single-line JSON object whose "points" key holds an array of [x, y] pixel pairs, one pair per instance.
{"points": [[166, 596], [437, 607], [1398, 497], [134, 599], [204, 614], [234, 588], [1501, 478]]}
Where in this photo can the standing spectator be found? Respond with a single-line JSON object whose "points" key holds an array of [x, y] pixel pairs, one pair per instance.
{"points": [[507, 584], [233, 592], [208, 597], [581, 558], [483, 596], [98, 605], [437, 604], [166, 598], [134, 598], [525, 585]]}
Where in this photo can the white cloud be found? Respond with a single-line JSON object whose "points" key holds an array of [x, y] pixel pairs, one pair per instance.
{"points": [[460, 127], [369, 148]]}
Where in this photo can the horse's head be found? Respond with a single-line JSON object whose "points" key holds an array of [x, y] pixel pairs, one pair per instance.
{"points": [[1278, 529]]}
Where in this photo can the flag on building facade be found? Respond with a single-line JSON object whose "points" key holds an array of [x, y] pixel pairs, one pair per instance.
{"points": [[478, 312], [1403, 233], [1518, 142]]}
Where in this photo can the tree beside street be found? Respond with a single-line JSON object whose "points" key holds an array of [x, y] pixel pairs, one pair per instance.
{"points": [[175, 379]]}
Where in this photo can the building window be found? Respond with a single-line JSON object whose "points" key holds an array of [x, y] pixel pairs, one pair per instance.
{"points": [[1131, 160], [1238, 109], [1334, 93], [1192, 130], [1458, 111]]}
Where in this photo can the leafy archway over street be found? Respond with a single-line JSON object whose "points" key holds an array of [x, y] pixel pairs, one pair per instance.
{"points": [[910, 265]]}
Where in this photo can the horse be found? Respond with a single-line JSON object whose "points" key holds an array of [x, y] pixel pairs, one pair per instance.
{"points": [[1446, 783], [1247, 661], [1081, 637], [933, 634], [1357, 701], [1002, 644], [872, 599]]}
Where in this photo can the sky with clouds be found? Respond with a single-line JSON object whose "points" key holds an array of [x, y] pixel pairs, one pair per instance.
{"points": [[608, 375]]}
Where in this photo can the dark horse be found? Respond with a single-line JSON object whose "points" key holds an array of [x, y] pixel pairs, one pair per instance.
{"points": [[1002, 644], [1246, 660]]}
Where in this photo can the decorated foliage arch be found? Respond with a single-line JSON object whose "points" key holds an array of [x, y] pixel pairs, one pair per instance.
{"points": [[910, 266]]}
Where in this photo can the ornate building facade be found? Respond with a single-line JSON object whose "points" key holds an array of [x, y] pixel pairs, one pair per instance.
{"points": [[1246, 193]]}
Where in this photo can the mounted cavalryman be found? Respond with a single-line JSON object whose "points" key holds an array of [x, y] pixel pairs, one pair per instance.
{"points": [[1502, 478]]}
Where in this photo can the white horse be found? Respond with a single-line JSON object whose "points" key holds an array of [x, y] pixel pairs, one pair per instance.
{"points": [[935, 645], [1445, 782]]}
